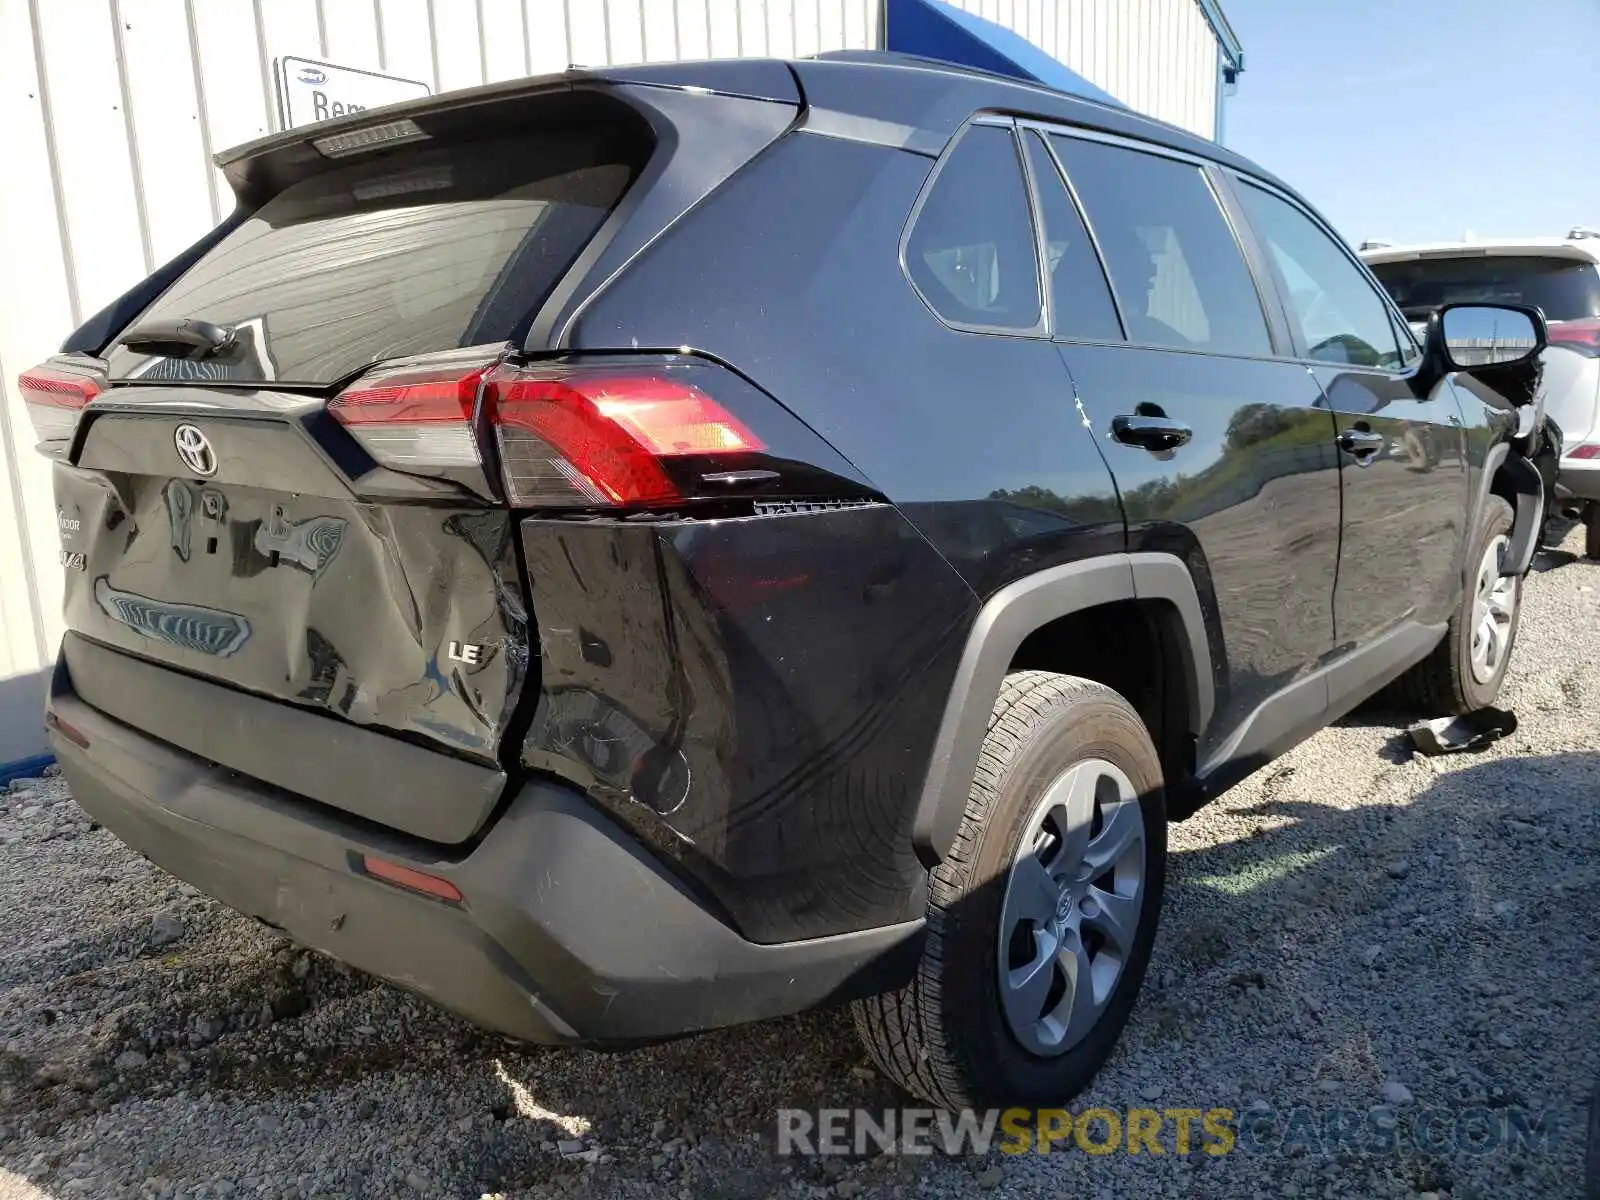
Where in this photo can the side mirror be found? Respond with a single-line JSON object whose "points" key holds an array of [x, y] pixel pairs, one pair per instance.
{"points": [[1473, 336]]}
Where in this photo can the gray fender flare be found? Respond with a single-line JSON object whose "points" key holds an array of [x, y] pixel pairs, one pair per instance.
{"points": [[1529, 509], [1002, 624]]}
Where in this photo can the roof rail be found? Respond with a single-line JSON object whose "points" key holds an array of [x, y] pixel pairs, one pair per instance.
{"points": [[1578, 232]]}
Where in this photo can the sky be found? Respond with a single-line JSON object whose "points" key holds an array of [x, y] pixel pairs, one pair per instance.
{"points": [[1421, 120]]}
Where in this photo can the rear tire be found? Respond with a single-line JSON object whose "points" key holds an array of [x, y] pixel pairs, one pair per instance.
{"points": [[1591, 531], [1040, 919], [1465, 670]]}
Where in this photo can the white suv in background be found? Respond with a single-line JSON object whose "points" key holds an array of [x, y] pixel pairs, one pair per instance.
{"points": [[1560, 276]]}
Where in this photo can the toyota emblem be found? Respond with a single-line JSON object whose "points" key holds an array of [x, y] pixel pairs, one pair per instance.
{"points": [[194, 448]]}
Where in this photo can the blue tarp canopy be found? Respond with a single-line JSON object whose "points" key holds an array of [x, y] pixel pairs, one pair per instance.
{"points": [[934, 29]]}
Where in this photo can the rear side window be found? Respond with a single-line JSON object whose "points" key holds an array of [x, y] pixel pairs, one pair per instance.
{"points": [[1080, 299], [1179, 274], [1339, 315], [409, 253], [1566, 289], [971, 251]]}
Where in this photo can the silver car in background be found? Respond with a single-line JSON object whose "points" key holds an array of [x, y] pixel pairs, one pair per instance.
{"points": [[1560, 276]]}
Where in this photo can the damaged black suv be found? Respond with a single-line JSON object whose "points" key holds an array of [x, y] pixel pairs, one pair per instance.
{"points": [[640, 550]]}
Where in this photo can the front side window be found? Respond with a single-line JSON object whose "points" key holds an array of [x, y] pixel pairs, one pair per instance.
{"points": [[1179, 274], [971, 252], [1339, 316]]}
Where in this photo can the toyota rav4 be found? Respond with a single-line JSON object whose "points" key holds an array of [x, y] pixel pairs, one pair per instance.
{"points": [[640, 550]]}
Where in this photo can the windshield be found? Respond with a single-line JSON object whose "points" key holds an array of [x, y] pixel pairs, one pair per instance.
{"points": [[410, 253], [1563, 288]]}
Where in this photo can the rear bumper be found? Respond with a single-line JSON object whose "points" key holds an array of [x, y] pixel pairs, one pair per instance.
{"points": [[1579, 479], [567, 931]]}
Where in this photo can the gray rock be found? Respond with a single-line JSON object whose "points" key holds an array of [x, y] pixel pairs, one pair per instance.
{"points": [[1371, 955], [166, 929], [990, 1178], [1398, 869], [1394, 1092], [130, 1060], [567, 1147]]}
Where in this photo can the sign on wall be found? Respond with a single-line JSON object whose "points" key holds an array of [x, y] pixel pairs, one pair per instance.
{"points": [[310, 91]]}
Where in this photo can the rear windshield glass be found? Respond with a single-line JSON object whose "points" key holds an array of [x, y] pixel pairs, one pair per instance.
{"points": [[416, 252], [1565, 289]]}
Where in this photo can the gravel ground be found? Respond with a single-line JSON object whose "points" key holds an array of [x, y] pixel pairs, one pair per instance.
{"points": [[1352, 931]]}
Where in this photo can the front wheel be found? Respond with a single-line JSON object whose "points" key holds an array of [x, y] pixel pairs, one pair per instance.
{"points": [[1465, 671], [1041, 918]]}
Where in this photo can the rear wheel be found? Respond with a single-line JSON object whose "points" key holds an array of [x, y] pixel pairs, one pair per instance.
{"points": [[1591, 531], [1465, 671], [1041, 918]]}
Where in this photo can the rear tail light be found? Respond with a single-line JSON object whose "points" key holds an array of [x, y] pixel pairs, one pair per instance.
{"points": [[54, 394], [1582, 335], [1587, 451], [568, 435], [415, 418]]}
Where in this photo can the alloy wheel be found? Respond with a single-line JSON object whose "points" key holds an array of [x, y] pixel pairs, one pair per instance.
{"points": [[1494, 610], [1071, 909]]}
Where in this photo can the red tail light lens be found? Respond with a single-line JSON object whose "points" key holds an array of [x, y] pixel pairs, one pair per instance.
{"points": [[415, 418], [1581, 335], [53, 396], [1587, 451], [586, 437], [569, 435]]}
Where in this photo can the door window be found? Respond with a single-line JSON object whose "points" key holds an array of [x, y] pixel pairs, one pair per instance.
{"points": [[1178, 272], [1339, 316], [972, 252], [1080, 298]]}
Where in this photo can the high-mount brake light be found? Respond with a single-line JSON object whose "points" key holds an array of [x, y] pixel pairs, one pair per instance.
{"points": [[569, 435], [373, 137], [54, 396]]}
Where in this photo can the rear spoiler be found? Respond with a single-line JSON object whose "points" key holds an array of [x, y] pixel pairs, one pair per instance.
{"points": [[262, 165], [259, 170]]}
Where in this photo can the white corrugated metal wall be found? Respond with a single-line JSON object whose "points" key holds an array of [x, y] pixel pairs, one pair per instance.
{"points": [[110, 110]]}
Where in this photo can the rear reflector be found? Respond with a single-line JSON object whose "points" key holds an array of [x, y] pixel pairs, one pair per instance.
{"points": [[53, 397], [71, 732], [1586, 451], [411, 879], [569, 435]]}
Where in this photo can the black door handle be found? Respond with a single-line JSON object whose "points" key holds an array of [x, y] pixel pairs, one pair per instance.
{"points": [[1150, 433], [1360, 444]]}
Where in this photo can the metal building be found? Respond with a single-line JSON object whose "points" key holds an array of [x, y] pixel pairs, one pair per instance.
{"points": [[111, 109]]}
